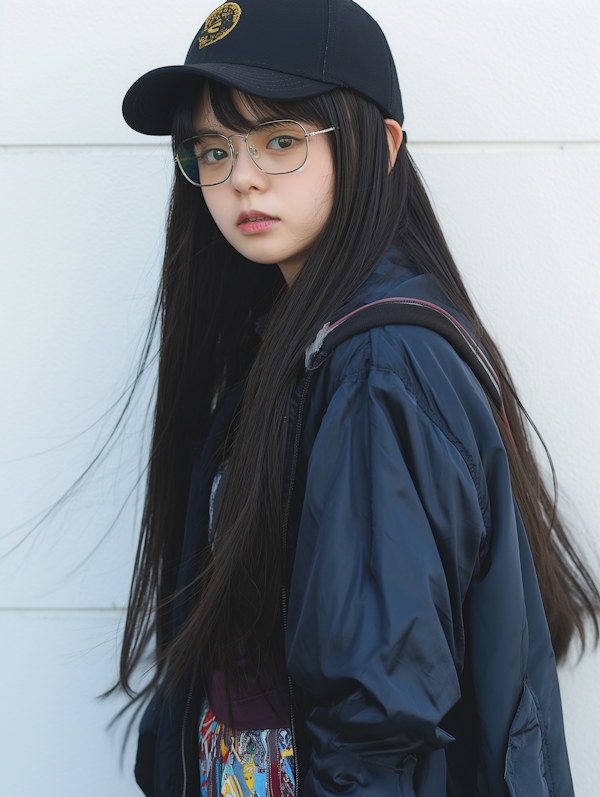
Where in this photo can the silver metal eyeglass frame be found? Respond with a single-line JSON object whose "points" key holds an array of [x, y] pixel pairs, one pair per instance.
{"points": [[234, 154]]}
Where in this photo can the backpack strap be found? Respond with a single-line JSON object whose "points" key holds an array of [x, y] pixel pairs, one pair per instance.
{"points": [[416, 312]]}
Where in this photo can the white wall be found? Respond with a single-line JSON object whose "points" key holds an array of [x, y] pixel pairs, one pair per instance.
{"points": [[503, 117]]}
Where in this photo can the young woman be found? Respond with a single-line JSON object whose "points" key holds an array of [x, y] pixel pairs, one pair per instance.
{"points": [[350, 575]]}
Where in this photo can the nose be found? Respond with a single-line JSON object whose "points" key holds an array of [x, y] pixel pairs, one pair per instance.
{"points": [[246, 175]]}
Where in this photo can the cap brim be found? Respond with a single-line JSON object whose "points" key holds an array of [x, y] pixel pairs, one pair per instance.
{"points": [[150, 103]]}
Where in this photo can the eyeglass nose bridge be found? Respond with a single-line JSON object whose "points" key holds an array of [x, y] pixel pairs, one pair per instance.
{"points": [[252, 150]]}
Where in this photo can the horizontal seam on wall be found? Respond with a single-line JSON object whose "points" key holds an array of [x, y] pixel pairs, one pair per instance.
{"points": [[498, 145]]}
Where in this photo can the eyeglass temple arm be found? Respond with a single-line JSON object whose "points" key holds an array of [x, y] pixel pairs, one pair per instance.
{"points": [[317, 132]]}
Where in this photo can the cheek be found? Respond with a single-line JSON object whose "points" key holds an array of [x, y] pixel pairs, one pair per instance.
{"points": [[313, 198], [216, 202]]}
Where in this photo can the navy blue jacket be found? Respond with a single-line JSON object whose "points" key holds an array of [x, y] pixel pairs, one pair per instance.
{"points": [[417, 647]]}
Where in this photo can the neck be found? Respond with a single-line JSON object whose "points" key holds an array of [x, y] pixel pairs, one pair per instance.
{"points": [[291, 267]]}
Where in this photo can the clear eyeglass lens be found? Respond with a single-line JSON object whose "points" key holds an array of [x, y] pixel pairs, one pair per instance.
{"points": [[205, 160], [277, 147]]}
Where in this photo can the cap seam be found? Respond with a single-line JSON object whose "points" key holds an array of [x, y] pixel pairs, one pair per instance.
{"points": [[283, 79], [264, 65], [280, 82], [391, 72], [325, 54], [206, 65]]}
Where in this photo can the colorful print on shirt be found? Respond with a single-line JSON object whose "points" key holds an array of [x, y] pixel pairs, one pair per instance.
{"points": [[244, 763]]}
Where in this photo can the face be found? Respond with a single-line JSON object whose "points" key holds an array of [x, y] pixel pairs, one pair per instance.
{"points": [[296, 205]]}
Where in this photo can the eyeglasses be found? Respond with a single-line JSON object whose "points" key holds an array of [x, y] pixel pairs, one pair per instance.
{"points": [[278, 147]]}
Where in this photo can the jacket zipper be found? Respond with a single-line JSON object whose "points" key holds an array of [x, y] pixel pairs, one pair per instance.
{"points": [[184, 723], [286, 514]]}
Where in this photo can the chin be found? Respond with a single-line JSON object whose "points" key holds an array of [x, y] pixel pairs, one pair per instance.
{"points": [[260, 252]]}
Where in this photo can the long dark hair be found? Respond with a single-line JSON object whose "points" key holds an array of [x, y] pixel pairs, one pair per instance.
{"points": [[209, 300]]}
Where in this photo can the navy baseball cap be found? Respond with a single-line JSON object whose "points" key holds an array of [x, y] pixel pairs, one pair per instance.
{"points": [[276, 49]]}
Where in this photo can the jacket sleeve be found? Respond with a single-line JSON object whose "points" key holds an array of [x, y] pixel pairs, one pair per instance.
{"points": [[389, 537]]}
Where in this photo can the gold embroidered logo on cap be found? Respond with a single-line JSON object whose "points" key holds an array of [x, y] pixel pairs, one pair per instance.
{"points": [[218, 24]]}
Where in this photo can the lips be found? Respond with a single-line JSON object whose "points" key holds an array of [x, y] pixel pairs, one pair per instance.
{"points": [[251, 215]]}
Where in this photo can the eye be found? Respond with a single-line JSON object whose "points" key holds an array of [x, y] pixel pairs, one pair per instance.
{"points": [[214, 155], [282, 142]]}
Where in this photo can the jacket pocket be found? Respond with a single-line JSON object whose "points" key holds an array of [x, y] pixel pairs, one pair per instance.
{"points": [[526, 770]]}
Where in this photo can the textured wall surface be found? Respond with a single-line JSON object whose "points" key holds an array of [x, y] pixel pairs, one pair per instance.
{"points": [[503, 118]]}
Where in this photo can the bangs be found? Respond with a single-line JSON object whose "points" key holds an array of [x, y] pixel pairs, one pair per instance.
{"points": [[259, 109]]}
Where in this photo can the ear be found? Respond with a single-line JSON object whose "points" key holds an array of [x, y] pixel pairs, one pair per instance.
{"points": [[394, 134]]}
